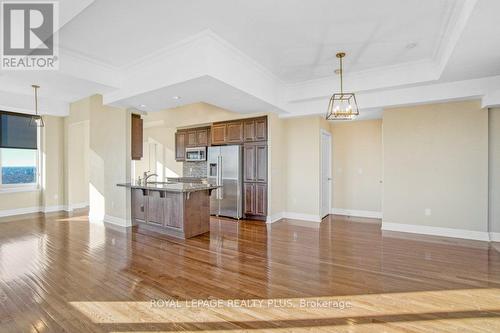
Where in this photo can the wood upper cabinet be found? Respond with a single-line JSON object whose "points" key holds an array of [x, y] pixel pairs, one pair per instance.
{"points": [[255, 162], [234, 132], [261, 129], [180, 146], [249, 130], [255, 129], [202, 137], [249, 163], [219, 134], [137, 137], [192, 139], [261, 163]]}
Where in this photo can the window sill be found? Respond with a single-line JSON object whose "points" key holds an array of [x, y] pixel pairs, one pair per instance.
{"points": [[19, 189]]}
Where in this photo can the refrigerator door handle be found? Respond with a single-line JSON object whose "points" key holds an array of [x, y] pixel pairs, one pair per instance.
{"points": [[221, 193]]}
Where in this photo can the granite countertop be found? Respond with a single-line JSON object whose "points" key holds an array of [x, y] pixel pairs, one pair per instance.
{"points": [[172, 187]]}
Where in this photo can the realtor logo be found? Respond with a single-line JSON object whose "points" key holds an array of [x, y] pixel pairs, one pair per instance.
{"points": [[28, 35]]}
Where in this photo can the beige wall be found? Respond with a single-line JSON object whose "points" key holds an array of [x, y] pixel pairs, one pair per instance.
{"points": [[302, 156], [109, 160], [357, 165], [76, 147], [277, 166], [53, 159], [50, 195], [436, 157], [494, 169]]}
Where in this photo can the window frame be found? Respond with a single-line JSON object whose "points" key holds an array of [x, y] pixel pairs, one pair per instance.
{"points": [[25, 186]]}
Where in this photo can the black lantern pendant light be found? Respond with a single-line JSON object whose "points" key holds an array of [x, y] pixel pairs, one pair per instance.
{"points": [[36, 120], [342, 106]]}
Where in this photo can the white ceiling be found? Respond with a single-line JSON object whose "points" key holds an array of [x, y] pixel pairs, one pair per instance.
{"points": [[294, 39], [267, 55]]}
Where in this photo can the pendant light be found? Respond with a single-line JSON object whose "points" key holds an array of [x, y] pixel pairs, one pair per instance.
{"points": [[342, 106], [36, 120]]}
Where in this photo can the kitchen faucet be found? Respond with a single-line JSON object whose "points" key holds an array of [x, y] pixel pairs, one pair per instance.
{"points": [[146, 176]]}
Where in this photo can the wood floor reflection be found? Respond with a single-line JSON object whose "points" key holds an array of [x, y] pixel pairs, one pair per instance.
{"points": [[60, 273]]}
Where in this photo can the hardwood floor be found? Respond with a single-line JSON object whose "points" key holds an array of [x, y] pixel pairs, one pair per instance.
{"points": [[60, 273]]}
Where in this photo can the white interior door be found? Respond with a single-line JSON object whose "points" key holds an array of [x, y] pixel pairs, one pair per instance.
{"points": [[326, 173]]}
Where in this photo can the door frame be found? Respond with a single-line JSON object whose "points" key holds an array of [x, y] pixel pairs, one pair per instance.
{"points": [[321, 184]]}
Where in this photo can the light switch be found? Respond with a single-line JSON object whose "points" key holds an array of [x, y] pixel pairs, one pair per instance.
{"points": [[428, 212]]}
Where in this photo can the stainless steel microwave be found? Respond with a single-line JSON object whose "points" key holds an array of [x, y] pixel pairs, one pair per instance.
{"points": [[196, 154]]}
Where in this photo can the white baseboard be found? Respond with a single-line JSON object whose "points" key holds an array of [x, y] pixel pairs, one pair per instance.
{"points": [[302, 217], [495, 236], [52, 209], [118, 221], [74, 206], [275, 217], [436, 231], [19, 211], [357, 213]]}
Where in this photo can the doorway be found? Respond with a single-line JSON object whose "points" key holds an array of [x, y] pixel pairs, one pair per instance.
{"points": [[326, 173]]}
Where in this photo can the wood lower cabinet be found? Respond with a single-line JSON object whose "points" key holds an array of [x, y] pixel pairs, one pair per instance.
{"points": [[138, 205], [180, 146], [155, 209], [137, 137], [249, 195], [255, 199], [261, 199], [179, 214], [170, 211]]}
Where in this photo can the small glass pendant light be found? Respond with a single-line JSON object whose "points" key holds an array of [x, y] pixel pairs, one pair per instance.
{"points": [[36, 120]]}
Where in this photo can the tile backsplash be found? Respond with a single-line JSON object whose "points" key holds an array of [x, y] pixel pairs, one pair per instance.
{"points": [[194, 169]]}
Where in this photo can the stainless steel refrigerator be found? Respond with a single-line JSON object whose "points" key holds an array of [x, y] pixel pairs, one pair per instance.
{"points": [[224, 167]]}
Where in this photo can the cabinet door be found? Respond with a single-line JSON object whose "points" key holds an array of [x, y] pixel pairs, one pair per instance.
{"points": [[249, 130], [180, 146], [249, 163], [137, 137], [138, 205], [261, 129], [192, 139], [261, 199], [173, 206], [218, 134], [155, 208], [234, 132], [249, 191], [261, 163], [202, 137]]}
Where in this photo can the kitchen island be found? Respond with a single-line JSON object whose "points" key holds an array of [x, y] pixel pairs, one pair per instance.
{"points": [[175, 208]]}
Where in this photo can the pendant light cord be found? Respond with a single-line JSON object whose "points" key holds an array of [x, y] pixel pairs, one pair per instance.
{"points": [[36, 100], [341, 77]]}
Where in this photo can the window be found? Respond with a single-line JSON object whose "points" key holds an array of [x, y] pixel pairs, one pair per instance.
{"points": [[19, 157]]}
